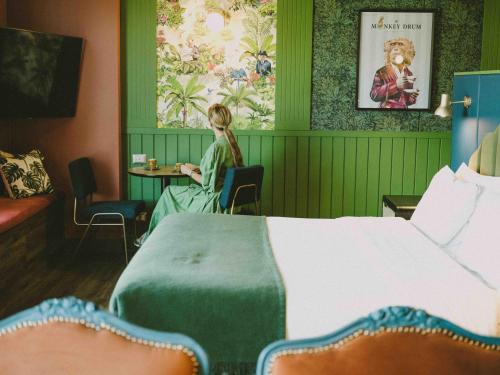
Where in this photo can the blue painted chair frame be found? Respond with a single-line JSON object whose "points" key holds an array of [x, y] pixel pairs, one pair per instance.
{"points": [[242, 185], [390, 319], [76, 311]]}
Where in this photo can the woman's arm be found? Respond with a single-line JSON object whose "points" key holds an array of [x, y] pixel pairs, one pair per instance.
{"points": [[188, 171], [196, 176]]}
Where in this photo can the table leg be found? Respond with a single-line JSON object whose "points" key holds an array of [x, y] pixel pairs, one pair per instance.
{"points": [[165, 181]]}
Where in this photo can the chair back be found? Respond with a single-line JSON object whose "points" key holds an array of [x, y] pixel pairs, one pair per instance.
{"points": [[394, 340], [71, 336], [242, 185], [82, 178]]}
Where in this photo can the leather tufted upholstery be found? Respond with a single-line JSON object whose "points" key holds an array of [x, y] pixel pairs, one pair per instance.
{"points": [[389, 341], [391, 353], [66, 348]]}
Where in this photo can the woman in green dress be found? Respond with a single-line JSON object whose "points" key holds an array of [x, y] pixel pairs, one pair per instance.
{"points": [[224, 153]]}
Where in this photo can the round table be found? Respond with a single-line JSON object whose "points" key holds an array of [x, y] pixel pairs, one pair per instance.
{"points": [[165, 173]]}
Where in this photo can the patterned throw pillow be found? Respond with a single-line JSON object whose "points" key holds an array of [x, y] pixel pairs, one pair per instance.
{"points": [[24, 175], [3, 155]]}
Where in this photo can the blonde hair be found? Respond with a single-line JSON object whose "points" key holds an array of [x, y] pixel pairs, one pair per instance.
{"points": [[407, 47], [220, 117]]}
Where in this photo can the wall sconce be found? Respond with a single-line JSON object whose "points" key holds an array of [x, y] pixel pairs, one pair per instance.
{"points": [[444, 109]]}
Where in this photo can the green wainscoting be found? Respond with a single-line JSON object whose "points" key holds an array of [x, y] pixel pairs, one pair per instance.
{"points": [[309, 174]]}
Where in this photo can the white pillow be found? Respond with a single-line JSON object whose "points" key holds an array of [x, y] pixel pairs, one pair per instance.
{"points": [[480, 248], [489, 183], [445, 207]]}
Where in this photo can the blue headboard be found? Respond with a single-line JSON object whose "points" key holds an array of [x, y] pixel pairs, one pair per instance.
{"points": [[470, 126]]}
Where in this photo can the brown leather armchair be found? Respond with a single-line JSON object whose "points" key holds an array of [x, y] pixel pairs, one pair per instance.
{"points": [[395, 340], [70, 336]]}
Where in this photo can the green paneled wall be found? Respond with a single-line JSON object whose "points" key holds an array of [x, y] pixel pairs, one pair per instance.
{"points": [[307, 173], [490, 58], [310, 174]]}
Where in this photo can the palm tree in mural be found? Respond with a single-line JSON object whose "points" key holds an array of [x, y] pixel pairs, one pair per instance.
{"points": [[182, 98], [234, 97], [258, 35]]}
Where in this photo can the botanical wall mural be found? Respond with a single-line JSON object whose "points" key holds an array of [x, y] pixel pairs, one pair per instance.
{"points": [[216, 51], [457, 48]]}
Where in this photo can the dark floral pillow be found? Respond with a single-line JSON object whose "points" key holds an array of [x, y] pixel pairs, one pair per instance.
{"points": [[24, 175], [3, 155]]}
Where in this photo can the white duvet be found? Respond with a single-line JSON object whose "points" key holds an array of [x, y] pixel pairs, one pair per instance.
{"points": [[336, 271]]}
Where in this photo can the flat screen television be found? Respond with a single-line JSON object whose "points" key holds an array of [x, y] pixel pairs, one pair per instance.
{"points": [[39, 74]]}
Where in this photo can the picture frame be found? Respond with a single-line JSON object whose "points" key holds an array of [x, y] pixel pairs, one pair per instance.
{"points": [[395, 57]]}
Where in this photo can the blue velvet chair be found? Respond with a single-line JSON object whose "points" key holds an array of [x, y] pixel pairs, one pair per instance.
{"points": [[242, 186], [393, 340], [71, 336], [84, 185]]}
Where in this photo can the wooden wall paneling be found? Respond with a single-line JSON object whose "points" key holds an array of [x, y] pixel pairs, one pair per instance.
{"points": [[338, 177], [361, 177], [183, 154], [398, 145], [409, 166], [302, 176], [255, 152], [148, 148], [349, 176], [326, 181], [433, 154], [421, 165], [294, 68], [314, 173], [490, 51], [385, 170], [195, 149], [290, 176], [444, 152], [372, 182], [171, 152], [308, 175], [135, 182], [279, 164], [244, 148], [267, 186]]}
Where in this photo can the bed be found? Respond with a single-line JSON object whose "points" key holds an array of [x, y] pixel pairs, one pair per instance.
{"points": [[302, 277]]}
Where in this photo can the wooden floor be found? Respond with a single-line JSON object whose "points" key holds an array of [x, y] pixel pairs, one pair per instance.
{"points": [[91, 275]]}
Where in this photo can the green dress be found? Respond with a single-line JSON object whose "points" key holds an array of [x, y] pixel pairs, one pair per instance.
{"points": [[197, 198]]}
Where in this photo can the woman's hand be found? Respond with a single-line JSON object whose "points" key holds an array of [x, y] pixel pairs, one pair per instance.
{"points": [[185, 169], [191, 166]]}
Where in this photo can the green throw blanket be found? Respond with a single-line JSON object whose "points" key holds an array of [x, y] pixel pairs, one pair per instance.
{"points": [[211, 277]]}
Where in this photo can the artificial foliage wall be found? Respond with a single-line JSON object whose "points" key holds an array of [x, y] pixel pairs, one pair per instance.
{"points": [[457, 48], [216, 51]]}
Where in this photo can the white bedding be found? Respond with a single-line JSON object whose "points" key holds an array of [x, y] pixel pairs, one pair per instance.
{"points": [[336, 271]]}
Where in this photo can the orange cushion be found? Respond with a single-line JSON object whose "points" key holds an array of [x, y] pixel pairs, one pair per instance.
{"points": [[15, 211]]}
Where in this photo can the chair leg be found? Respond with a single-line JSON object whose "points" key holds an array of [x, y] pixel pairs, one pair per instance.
{"points": [[89, 225], [125, 240]]}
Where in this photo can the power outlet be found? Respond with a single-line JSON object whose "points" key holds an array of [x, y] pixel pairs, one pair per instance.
{"points": [[139, 158]]}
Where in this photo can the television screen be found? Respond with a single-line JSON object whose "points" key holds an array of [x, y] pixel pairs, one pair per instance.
{"points": [[39, 74]]}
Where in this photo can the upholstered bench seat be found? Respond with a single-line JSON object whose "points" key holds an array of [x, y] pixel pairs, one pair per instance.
{"points": [[15, 211]]}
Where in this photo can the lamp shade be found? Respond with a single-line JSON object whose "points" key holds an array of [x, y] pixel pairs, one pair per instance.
{"points": [[444, 109]]}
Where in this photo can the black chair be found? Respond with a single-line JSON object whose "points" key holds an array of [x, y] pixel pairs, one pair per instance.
{"points": [[84, 185], [242, 186]]}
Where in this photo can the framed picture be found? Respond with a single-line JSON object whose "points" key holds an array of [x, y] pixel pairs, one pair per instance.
{"points": [[395, 60]]}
